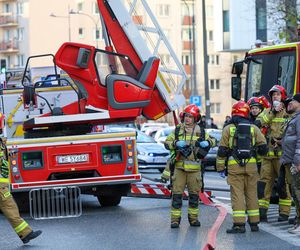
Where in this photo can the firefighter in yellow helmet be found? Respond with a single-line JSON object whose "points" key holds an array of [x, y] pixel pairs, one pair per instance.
{"points": [[275, 118], [241, 141], [190, 144], [7, 204]]}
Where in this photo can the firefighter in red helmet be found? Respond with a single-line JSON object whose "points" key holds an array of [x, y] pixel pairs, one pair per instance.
{"points": [[241, 141], [275, 118], [190, 144], [7, 204]]}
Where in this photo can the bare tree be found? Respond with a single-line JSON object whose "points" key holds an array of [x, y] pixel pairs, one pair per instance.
{"points": [[284, 13]]}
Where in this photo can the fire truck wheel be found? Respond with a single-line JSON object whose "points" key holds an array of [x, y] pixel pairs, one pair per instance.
{"points": [[109, 201]]}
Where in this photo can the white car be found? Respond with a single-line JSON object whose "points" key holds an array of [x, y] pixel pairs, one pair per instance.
{"points": [[162, 134], [151, 155], [153, 125]]}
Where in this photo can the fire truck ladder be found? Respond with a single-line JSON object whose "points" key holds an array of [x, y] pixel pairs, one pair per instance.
{"points": [[151, 41]]}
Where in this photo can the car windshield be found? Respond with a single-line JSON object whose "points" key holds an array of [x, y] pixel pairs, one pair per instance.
{"points": [[143, 138]]}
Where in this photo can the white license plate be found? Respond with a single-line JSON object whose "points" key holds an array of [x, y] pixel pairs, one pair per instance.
{"points": [[61, 159], [159, 159]]}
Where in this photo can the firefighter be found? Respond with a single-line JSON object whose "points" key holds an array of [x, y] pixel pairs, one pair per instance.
{"points": [[241, 141], [191, 144], [291, 156], [276, 119], [7, 204], [257, 105]]}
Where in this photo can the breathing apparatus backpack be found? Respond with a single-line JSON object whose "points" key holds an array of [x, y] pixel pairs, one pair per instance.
{"points": [[242, 143]]}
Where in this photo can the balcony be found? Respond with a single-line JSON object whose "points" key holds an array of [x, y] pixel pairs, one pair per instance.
{"points": [[8, 21], [11, 46], [187, 45], [187, 20]]}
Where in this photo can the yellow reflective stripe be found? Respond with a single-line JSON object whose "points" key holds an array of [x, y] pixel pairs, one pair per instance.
{"points": [[193, 211], [252, 135], [254, 212], [238, 213], [21, 227], [192, 166], [265, 118], [231, 132], [264, 203], [4, 180], [234, 162], [272, 153], [166, 173], [285, 202], [6, 194], [279, 120], [220, 161], [176, 212]]}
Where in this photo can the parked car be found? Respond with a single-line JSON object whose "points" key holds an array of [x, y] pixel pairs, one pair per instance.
{"points": [[151, 155], [210, 158], [162, 134], [153, 125]]}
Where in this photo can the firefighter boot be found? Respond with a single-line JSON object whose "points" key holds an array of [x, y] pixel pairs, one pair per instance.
{"points": [[194, 222], [175, 223], [254, 227], [236, 229], [283, 217], [32, 235], [263, 215]]}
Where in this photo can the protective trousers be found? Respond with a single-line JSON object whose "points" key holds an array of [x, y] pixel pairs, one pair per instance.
{"points": [[181, 179], [294, 183], [10, 210], [269, 171], [243, 191]]}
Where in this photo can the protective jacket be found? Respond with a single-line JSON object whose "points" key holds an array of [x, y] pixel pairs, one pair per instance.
{"points": [[276, 122], [291, 141]]}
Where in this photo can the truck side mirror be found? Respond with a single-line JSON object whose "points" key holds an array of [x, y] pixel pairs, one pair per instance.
{"points": [[236, 88], [237, 68]]}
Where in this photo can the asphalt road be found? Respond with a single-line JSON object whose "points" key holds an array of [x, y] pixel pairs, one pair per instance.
{"points": [[137, 223]]}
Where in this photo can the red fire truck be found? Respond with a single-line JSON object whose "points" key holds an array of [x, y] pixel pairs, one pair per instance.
{"points": [[50, 122]]}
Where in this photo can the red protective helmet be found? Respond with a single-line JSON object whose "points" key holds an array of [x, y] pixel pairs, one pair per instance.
{"points": [[264, 101], [255, 101], [193, 110], [240, 108], [280, 89]]}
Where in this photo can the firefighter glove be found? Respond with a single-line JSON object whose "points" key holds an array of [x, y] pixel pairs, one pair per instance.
{"points": [[204, 144], [180, 144], [163, 180], [222, 174], [4, 168]]}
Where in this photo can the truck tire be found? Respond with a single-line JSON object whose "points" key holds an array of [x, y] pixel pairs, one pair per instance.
{"points": [[109, 201]]}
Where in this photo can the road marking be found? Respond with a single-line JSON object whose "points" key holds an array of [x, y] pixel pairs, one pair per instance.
{"points": [[278, 229]]}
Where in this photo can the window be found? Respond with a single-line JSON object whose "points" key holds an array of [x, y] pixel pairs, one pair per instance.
{"points": [[96, 34], [186, 60], [165, 58], [214, 84], [261, 20], [186, 10], [20, 34], [6, 8], [95, 8], [210, 35], [215, 108], [209, 11], [20, 9], [186, 34], [80, 7], [213, 59], [225, 21], [21, 60], [80, 33], [164, 10]]}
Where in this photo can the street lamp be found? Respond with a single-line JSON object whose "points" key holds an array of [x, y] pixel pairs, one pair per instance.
{"points": [[72, 12], [69, 21]]}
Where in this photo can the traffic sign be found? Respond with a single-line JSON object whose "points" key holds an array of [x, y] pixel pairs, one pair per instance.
{"points": [[196, 100]]}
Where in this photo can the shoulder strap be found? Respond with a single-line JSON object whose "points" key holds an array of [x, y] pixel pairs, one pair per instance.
{"points": [[177, 129]]}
